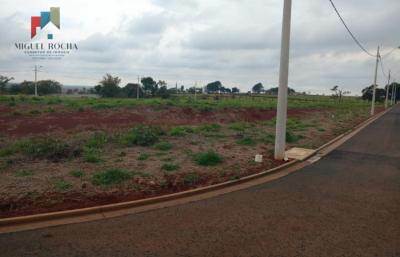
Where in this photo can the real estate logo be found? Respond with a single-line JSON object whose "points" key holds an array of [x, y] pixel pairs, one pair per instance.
{"points": [[44, 19], [45, 40]]}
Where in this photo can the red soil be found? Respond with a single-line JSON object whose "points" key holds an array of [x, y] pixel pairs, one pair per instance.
{"points": [[23, 125]]}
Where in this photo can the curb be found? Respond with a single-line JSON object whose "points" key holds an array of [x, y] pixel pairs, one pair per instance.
{"points": [[52, 216]]}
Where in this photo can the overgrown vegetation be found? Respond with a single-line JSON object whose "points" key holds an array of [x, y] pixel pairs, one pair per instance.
{"points": [[110, 177], [209, 158], [142, 136]]}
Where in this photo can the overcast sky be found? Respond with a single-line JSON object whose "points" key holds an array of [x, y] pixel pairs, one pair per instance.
{"points": [[234, 41]]}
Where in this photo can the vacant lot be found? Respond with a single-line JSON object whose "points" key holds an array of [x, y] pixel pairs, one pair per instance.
{"points": [[60, 153]]}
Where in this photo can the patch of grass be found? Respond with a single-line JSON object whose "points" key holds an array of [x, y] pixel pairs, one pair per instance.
{"points": [[170, 167], [142, 136], [191, 179], [269, 138], [143, 156], [296, 124], [92, 155], [77, 173], [246, 140], [62, 185], [239, 126], [207, 128], [209, 158], [110, 177], [292, 138], [97, 140], [49, 148], [34, 112], [180, 131], [23, 173], [163, 146], [7, 151]]}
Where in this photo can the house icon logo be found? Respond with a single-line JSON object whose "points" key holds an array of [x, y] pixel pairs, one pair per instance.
{"points": [[44, 21]]}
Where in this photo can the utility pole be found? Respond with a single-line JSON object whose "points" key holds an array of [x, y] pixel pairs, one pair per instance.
{"points": [[138, 87], [374, 86], [395, 93], [281, 114], [195, 86], [36, 70], [387, 92]]}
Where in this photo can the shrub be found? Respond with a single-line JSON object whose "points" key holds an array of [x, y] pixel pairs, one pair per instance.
{"points": [[191, 179], [163, 146], [142, 135], [44, 148], [170, 167], [110, 177], [143, 156], [92, 155], [209, 158]]}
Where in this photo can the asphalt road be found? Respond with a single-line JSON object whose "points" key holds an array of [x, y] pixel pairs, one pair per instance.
{"points": [[347, 204]]}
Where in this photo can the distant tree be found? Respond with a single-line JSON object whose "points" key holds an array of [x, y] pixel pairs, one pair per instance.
{"points": [[258, 88], [163, 92], [392, 90], [182, 88], [380, 94], [150, 86], [214, 87], [131, 90], [45, 87], [338, 93], [3, 83], [225, 90], [109, 86], [274, 91], [235, 90]]}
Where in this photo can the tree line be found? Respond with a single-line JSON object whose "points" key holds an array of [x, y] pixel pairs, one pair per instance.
{"points": [[109, 86], [45, 87]]}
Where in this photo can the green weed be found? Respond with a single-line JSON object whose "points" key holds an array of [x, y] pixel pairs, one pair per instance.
{"points": [[209, 158], [170, 167], [163, 146], [111, 177]]}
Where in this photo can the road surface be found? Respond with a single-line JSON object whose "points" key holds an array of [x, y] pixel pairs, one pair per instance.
{"points": [[347, 204]]}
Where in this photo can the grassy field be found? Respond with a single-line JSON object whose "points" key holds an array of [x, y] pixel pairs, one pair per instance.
{"points": [[62, 152]]}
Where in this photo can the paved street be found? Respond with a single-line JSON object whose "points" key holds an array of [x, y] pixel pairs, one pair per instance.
{"points": [[347, 204]]}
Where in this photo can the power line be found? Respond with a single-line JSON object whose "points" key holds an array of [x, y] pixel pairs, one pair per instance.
{"points": [[389, 53], [348, 30]]}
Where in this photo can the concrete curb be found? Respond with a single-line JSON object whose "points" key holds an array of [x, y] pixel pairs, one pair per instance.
{"points": [[52, 216]]}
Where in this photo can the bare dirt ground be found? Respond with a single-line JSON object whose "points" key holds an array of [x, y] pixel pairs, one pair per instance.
{"points": [[13, 121]]}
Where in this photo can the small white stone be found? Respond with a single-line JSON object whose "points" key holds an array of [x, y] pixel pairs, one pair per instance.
{"points": [[258, 158]]}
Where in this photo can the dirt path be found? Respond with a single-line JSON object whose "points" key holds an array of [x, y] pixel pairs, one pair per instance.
{"points": [[347, 204]]}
